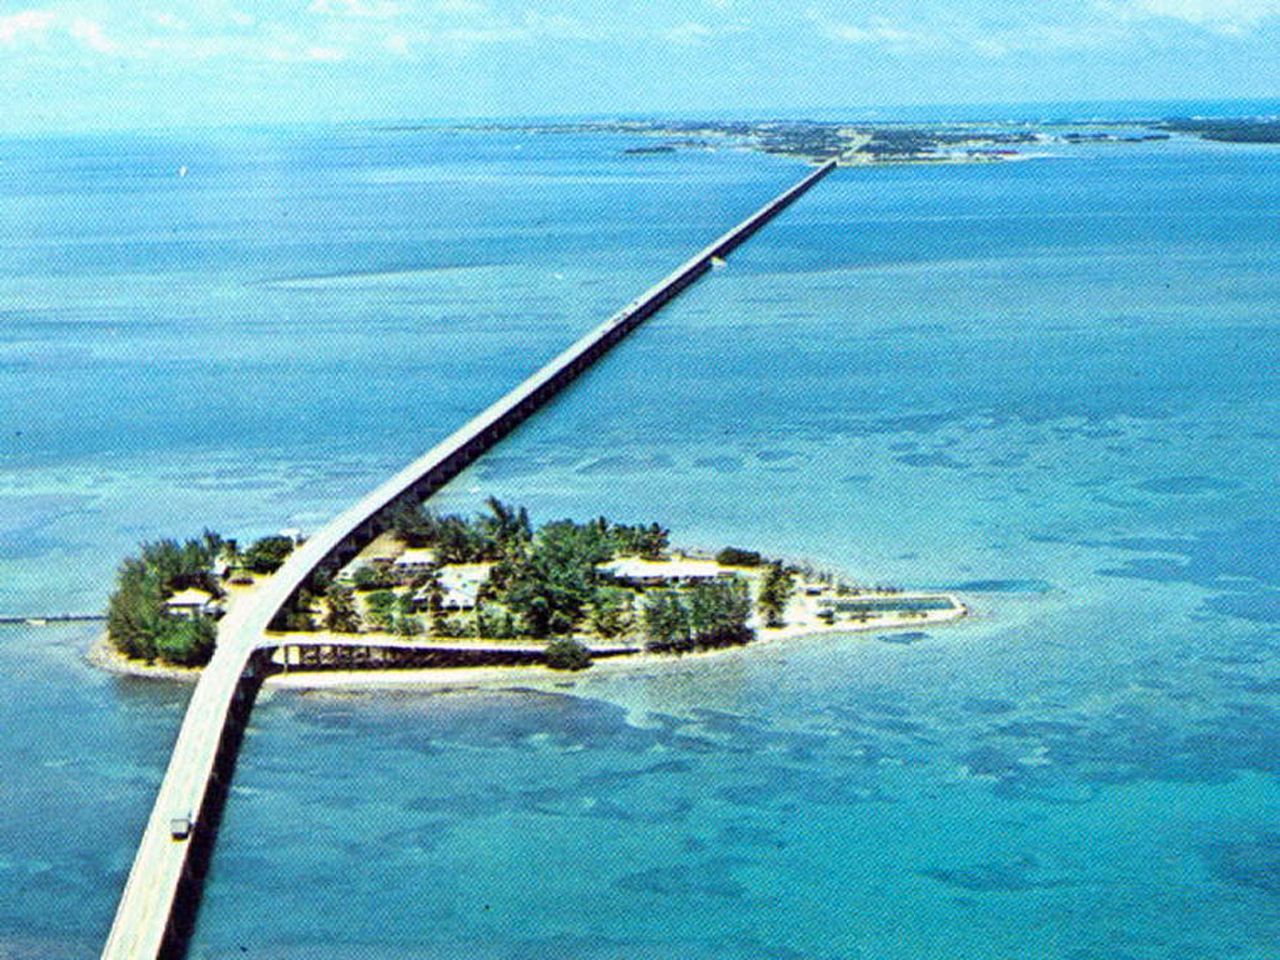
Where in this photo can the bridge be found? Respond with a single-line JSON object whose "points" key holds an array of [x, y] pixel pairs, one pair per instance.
{"points": [[325, 651], [161, 895]]}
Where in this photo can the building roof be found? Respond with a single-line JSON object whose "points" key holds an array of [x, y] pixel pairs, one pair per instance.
{"points": [[677, 568], [189, 598], [416, 557], [460, 584], [349, 569], [457, 574]]}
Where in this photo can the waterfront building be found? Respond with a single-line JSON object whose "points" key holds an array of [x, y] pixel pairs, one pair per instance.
{"points": [[192, 603], [637, 572]]}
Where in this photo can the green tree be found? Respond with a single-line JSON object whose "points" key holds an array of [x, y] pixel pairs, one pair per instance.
{"points": [[495, 622], [268, 554], [649, 542], [406, 626], [612, 612], [666, 622], [298, 614], [506, 529], [449, 627], [776, 589], [718, 613], [188, 642], [373, 577], [382, 606], [342, 616], [550, 587]]}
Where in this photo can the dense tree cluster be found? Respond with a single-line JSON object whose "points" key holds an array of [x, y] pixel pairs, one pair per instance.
{"points": [[707, 615], [138, 624], [504, 532], [552, 582], [267, 555], [485, 538]]}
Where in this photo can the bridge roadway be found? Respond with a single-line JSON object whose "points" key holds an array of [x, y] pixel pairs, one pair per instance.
{"points": [[162, 892]]}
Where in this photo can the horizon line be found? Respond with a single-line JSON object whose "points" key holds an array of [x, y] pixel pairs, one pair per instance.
{"points": [[816, 114]]}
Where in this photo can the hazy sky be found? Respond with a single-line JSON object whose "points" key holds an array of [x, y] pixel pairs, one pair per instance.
{"points": [[87, 63]]}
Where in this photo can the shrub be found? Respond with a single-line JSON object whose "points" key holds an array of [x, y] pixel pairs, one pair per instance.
{"points": [[567, 654], [737, 557]]}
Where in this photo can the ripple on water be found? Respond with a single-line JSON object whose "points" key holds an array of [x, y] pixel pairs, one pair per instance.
{"points": [[932, 460], [1183, 486], [720, 464], [625, 465]]}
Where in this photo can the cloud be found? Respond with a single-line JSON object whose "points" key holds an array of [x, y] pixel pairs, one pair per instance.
{"points": [[460, 7], [39, 25], [689, 34], [90, 34], [559, 27], [27, 24], [366, 9], [876, 30], [1047, 38], [325, 54], [1221, 16]]}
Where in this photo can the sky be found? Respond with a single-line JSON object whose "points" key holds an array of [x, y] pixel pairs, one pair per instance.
{"points": [[86, 64]]}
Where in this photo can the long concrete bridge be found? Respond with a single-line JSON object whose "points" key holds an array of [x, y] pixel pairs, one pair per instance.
{"points": [[163, 890]]}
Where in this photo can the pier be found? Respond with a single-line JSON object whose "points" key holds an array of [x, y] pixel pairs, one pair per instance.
{"points": [[162, 892], [43, 620]]}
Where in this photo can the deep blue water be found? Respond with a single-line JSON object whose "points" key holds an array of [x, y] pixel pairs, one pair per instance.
{"points": [[1049, 385]]}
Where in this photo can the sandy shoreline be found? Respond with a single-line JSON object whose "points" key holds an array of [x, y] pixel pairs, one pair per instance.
{"points": [[102, 655]]}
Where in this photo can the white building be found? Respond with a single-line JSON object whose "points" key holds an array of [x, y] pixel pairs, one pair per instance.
{"points": [[415, 560], [656, 573], [459, 585], [192, 603]]}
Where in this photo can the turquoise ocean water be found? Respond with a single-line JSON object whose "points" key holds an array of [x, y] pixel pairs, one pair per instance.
{"points": [[1047, 384]]}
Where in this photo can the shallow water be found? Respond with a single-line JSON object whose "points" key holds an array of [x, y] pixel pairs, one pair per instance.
{"points": [[1048, 385]]}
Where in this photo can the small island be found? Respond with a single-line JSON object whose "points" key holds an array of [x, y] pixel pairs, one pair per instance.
{"points": [[489, 590]]}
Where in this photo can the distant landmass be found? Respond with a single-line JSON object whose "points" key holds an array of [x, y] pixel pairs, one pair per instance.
{"points": [[856, 143]]}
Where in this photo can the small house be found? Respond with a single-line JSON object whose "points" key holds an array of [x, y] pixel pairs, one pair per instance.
{"points": [[459, 585], [192, 603]]}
